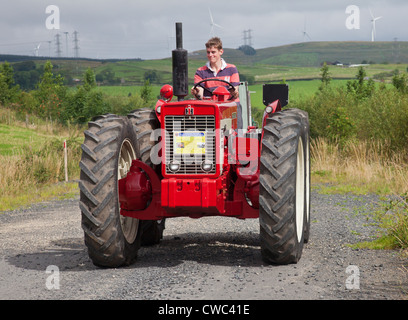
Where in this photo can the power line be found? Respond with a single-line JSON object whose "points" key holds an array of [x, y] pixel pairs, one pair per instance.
{"points": [[66, 43], [58, 44], [76, 46], [248, 37]]}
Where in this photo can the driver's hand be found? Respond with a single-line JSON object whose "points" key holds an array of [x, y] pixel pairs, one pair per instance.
{"points": [[234, 93], [197, 92]]}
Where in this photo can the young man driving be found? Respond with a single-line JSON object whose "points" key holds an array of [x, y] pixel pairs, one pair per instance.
{"points": [[217, 68]]}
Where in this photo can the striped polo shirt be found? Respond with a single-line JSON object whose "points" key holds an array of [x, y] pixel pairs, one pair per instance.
{"points": [[228, 72]]}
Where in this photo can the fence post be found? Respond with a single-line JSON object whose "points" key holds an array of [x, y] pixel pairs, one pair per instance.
{"points": [[66, 160]]}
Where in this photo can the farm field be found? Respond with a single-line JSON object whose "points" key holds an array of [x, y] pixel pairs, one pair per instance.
{"points": [[298, 90], [132, 72]]}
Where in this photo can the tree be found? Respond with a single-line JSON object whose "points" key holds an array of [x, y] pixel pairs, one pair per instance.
{"points": [[247, 50], [146, 92], [107, 75], [89, 79], [152, 76], [8, 91], [85, 102], [48, 81], [400, 82], [51, 93], [326, 79], [361, 88], [3, 89], [8, 73]]}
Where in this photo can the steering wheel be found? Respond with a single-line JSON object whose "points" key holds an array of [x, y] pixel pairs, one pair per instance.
{"points": [[199, 84]]}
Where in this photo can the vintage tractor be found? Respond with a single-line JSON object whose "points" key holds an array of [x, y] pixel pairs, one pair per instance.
{"points": [[187, 158]]}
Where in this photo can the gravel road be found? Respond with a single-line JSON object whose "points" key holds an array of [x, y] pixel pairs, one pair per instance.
{"points": [[43, 257]]}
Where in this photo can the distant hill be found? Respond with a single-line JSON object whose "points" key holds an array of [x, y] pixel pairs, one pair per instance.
{"points": [[313, 54], [305, 54], [18, 58], [290, 62]]}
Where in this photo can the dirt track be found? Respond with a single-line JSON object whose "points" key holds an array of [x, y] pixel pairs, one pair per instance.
{"points": [[210, 258]]}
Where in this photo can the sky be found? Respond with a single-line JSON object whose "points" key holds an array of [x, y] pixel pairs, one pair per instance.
{"points": [[144, 29]]}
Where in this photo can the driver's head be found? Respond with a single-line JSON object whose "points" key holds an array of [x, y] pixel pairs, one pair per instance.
{"points": [[214, 50], [214, 43]]}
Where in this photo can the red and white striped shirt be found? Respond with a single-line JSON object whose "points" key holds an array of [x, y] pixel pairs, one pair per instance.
{"points": [[228, 72]]}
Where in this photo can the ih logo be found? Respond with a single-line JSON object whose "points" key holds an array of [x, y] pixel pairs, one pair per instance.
{"points": [[189, 111]]}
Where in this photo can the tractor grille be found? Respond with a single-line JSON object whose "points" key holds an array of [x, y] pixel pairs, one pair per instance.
{"points": [[190, 164]]}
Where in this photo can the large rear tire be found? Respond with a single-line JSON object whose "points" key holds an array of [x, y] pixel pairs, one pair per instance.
{"points": [[144, 123], [306, 143], [282, 199], [108, 150]]}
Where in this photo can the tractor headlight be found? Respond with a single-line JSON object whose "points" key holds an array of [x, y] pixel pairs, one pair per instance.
{"points": [[207, 165], [174, 166]]}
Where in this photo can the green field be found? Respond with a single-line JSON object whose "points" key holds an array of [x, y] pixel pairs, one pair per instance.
{"points": [[13, 139], [313, 54], [132, 72], [124, 91], [297, 90]]}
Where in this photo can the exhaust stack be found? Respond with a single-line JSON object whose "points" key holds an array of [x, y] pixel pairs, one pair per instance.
{"points": [[180, 65]]}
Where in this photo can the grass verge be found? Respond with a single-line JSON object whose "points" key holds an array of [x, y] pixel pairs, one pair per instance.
{"points": [[58, 191], [32, 162], [363, 168]]}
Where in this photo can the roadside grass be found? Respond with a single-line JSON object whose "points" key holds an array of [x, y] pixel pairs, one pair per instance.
{"points": [[32, 160], [366, 168], [359, 168], [392, 221], [37, 194]]}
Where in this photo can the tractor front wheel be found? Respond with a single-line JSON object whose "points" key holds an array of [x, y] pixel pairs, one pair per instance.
{"points": [[108, 150]]}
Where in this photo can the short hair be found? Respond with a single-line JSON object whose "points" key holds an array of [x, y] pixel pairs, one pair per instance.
{"points": [[214, 42]]}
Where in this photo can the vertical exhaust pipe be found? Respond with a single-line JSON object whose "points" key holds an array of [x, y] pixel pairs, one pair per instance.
{"points": [[180, 66]]}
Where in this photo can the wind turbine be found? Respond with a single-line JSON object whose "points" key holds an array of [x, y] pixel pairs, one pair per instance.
{"points": [[373, 20], [36, 50], [305, 34], [213, 24]]}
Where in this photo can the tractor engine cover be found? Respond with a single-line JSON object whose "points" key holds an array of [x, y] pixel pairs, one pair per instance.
{"points": [[135, 190]]}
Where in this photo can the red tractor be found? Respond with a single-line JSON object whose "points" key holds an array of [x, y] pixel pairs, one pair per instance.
{"points": [[186, 158]]}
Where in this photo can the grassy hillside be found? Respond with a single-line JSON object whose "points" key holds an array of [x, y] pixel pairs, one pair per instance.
{"points": [[290, 62], [295, 61], [312, 54]]}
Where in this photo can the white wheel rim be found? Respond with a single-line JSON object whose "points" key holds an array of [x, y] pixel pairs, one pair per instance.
{"points": [[300, 190], [126, 155], [307, 172]]}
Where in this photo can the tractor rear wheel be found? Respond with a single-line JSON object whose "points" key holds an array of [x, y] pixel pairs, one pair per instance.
{"points": [[306, 143], [144, 123], [108, 150], [282, 198]]}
